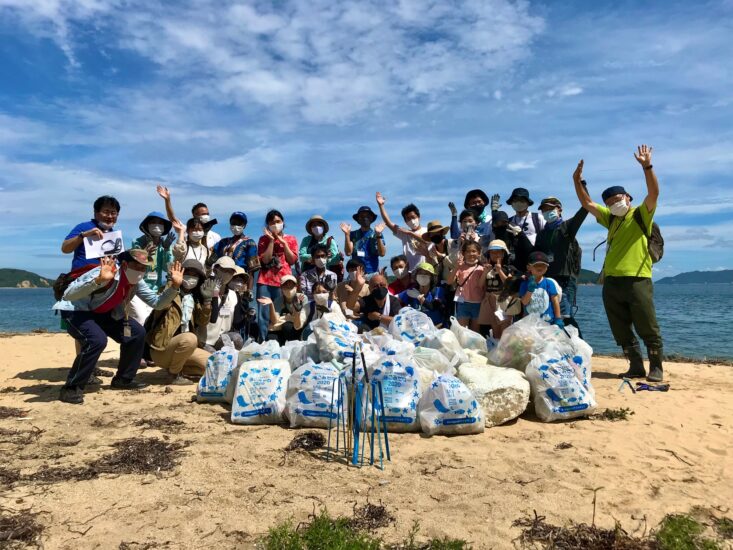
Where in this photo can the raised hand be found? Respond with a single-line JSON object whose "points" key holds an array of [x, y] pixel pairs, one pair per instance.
{"points": [[345, 227], [380, 199], [644, 155], [452, 208], [495, 202], [108, 268], [179, 227], [207, 290], [359, 278], [176, 274], [266, 231], [163, 192], [578, 174], [265, 301], [379, 228]]}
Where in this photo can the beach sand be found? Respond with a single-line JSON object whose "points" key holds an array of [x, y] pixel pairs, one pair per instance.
{"points": [[235, 482]]}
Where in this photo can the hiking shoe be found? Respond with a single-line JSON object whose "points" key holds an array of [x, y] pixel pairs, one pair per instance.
{"points": [[75, 396], [178, 380], [94, 381], [120, 384]]}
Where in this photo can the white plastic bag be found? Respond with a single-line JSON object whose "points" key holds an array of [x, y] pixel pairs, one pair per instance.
{"points": [[561, 387], [253, 351], [335, 340], [433, 359], [446, 343], [308, 398], [296, 352], [400, 391], [449, 408], [216, 385], [525, 338], [502, 393], [389, 345], [468, 338], [259, 397], [411, 325]]}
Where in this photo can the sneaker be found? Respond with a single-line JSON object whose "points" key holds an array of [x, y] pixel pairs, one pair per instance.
{"points": [[120, 384], [178, 380], [75, 396]]}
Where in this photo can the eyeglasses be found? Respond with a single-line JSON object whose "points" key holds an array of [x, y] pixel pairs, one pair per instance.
{"points": [[111, 213]]}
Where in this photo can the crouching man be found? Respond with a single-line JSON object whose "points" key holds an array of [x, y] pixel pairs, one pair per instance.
{"points": [[94, 308]]}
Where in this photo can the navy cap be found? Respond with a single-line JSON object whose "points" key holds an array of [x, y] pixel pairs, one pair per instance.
{"points": [[538, 257], [615, 190]]}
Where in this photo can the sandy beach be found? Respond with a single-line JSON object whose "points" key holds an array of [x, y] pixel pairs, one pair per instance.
{"points": [[235, 482]]}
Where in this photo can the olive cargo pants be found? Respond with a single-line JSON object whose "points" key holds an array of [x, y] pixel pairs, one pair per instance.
{"points": [[629, 302]]}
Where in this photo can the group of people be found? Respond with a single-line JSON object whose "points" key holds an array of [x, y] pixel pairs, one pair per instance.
{"points": [[182, 290]]}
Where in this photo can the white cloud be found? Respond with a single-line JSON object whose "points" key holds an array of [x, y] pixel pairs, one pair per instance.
{"points": [[221, 173], [498, 95], [521, 165]]}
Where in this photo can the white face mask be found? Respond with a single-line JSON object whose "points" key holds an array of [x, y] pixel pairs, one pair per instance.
{"points": [[105, 226], [414, 223], [320, 262], [423, 280], [190, 281], [133, 275], [204, 219], [236, 285], [520, 206], [196, 236], [276, 228], [321, 299], [289, 292], [155, 229], [468, 227], [619, 208], [317, 230], [237, 230], [400, 272]]}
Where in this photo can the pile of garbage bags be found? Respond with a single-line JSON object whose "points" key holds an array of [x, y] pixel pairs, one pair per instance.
{"points": [[437, 381]]}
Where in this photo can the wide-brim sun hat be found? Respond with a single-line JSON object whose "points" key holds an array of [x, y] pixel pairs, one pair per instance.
{"points": [[135, 255], [363, 209], [225, 262], [475, 193], [498, 244], [314, 219], [167, 225], [435, 228], [520, 193], [195, 266]]}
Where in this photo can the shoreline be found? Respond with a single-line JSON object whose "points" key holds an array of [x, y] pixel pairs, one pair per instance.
{"points": [[672, 358]]}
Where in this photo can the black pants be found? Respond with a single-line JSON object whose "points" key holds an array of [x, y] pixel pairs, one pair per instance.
{"points": [[629, 302], [92, 330]]}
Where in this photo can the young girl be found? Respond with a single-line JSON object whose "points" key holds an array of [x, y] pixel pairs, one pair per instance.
{"points": [[427, 297], [498, 270], [468, 276], [191, 243], [539, 294]]}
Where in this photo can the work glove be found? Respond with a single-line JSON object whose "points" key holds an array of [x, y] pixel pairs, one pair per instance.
{"points": [[495, 202], [514, 229], [532, 286], [207, 290], [559, 323]]}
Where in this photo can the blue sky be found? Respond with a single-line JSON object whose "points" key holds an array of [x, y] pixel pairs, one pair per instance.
{"points": [[312, 106]]}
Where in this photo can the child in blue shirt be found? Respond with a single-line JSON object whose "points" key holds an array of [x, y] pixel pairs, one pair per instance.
{"points": [[538, 294]]}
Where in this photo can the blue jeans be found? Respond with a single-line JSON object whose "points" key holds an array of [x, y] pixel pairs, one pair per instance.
{"points": [[92, 330], [263, 311]]}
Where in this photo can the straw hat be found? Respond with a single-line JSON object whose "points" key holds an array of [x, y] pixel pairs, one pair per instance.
{"points": [[314, 219], [435, 228]]}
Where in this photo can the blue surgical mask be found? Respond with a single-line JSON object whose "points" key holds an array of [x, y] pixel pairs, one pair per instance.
{"points": [[550, 215]]}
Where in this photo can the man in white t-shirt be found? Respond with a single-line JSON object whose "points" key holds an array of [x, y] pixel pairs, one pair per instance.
{"points": [[531, 223], [409, 236]]}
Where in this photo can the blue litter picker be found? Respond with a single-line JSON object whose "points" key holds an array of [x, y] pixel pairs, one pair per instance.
{"points": [[355, 401]]}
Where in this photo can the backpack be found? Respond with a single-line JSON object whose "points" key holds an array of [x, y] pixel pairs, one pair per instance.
{"points": [[654, 242], [63, 281], [536, 223]]}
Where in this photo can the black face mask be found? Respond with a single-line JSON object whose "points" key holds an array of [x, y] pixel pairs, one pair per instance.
{"points": [[478, 209], [500, 232], [379, 293]]}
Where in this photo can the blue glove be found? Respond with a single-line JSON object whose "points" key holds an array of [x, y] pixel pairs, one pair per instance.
{"points": [[532, 286], [559, 323]]}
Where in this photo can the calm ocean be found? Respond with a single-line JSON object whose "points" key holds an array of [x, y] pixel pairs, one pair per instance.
{"points": [[694, 318]]}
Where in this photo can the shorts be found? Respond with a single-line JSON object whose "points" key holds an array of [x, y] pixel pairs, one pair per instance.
{"points": [[468, 310]]}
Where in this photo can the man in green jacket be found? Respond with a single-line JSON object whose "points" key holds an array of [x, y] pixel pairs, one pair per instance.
{"points": [[628, 294]]}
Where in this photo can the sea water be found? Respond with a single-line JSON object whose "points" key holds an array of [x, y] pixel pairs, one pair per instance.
{"points": [[695, 319]]}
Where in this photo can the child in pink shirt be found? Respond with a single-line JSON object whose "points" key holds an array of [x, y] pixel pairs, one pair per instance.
{"points": [[468, 276]]}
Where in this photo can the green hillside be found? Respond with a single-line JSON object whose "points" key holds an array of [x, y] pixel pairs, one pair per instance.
{"points": [[588, 277], [19, 278], [721, 276]]}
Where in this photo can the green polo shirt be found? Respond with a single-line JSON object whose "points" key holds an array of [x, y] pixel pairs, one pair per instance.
{"points": [[627, 254]]}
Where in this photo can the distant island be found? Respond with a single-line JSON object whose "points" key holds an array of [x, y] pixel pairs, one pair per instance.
{"points": [[588, 277], [19, 278], [707, 277]]}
